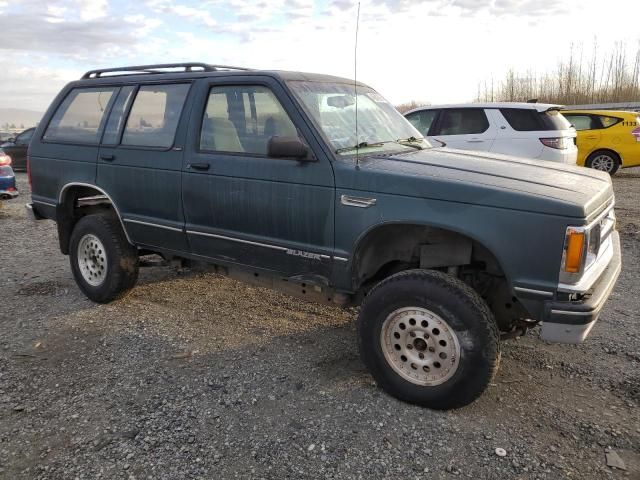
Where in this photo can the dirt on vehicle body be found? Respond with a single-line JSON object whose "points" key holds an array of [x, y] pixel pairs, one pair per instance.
{"points": [[267, 176], [253, 383]]}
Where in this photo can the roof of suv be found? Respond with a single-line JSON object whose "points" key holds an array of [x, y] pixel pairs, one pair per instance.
{"points": [[197, 70], [540, 107]]}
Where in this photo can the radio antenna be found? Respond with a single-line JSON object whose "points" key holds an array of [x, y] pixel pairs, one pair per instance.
{"points": [[355, 86]]}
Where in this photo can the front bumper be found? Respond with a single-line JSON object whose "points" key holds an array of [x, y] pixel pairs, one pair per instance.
{"points": [[571, 321]]}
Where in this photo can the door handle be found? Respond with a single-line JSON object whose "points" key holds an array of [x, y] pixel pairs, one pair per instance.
{"points": [[475, 140], [108, 158], [591, 137], [199, 166]]}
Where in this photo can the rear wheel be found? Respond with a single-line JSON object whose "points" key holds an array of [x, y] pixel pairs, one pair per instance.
{"points": [[604, 161], [429, 339], [103, 262]]}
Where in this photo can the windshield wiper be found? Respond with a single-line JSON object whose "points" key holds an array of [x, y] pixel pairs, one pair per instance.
{"points": [[409, 142], [359, 146]]}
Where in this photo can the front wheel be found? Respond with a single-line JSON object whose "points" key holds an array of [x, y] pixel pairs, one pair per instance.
{"points": [[103, 262], [429, 339], [604, 161]]}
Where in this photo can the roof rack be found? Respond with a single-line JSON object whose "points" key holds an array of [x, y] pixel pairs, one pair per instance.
{"points": [[158, 68]]}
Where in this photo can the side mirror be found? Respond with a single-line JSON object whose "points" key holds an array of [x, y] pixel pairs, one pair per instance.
{"points": [[288, 147]]}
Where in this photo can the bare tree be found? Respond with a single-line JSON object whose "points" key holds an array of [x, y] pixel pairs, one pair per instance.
{"points": [[611, 78], [405, 107]]}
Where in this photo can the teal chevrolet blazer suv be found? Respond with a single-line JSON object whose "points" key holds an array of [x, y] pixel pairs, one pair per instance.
{"points": [[316, 186]]}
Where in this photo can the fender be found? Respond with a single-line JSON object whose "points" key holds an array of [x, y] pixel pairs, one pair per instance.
{"points": [[88, 185]]}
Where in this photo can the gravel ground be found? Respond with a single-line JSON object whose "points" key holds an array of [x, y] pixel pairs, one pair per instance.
{"points": [[197, 376]]}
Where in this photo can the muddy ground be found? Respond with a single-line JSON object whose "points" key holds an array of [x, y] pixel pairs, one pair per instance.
{"points": [[197, 376]]}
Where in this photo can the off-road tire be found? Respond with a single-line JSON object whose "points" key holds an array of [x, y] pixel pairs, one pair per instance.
{"points": [[461, 308], [615, 160], [121, 258]]}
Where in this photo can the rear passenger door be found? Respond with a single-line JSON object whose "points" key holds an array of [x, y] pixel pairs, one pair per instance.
{"points": [[465, 128], [140, 162], [242, 206], [590, 127]]}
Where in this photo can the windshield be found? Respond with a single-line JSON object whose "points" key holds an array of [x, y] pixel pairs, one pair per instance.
{"points": [[381, 128]]}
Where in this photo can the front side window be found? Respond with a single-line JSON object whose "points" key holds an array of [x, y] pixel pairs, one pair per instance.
{"points": [[380, 127], [242, 119], [463, 121], [79, 117], [154, 116], [422, 120]]}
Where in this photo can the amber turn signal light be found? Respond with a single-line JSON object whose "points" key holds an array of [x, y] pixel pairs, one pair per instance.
{"points": [[575, 250]]}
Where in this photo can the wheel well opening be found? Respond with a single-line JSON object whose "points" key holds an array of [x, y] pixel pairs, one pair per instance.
{"points": [[606, 150], [390, 249], [77, 202]]}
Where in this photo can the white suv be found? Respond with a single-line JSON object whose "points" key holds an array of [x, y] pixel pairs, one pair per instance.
{"points": [[530, 130]]}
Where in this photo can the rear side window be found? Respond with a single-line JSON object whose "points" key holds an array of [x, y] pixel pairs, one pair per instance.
{"points": [[530, 120], [422, 120], [79, 117], [6, 172], [462, 121], [584, 122], [155, 115], [116, 118]]}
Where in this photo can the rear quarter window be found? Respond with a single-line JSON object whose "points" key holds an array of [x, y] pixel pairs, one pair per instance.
{"points": [[609, 121], [530, 120], [79, 117]]}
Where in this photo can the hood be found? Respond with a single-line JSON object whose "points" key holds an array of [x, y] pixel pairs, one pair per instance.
{"points": [[485, 179]]}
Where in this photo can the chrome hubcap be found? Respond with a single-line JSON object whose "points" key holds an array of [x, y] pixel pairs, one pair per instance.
{"points": [[603, 162], [92, 260], [420, 346]]}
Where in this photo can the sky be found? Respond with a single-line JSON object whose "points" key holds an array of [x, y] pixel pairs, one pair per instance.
{"points": [[436, 51]]}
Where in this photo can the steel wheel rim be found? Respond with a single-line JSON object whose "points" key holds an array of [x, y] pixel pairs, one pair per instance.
{"points": [[420, 346], [92, 260], [603, 162]]}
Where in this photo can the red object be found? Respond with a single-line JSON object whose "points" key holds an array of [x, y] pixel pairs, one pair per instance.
{"points": [[11, 189], [558, 143]]}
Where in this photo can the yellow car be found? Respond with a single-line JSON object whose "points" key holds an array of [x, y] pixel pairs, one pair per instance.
{"points": [[607, 140]]}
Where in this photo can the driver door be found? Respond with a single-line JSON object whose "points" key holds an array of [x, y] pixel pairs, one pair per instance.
{"points": [[240, 205]]}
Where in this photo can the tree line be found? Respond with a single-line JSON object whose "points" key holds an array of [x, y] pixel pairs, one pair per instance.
{"points": [[609, 77]]}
